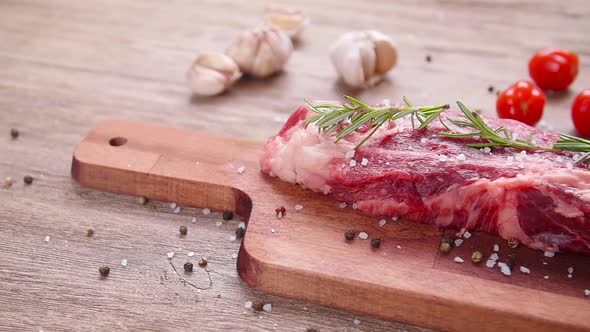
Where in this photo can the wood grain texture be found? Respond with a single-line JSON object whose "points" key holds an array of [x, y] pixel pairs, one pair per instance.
{"points": [[304, 254], [65, 66]]}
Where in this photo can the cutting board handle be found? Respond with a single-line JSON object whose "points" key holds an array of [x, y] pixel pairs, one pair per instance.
{"points": [[129, 157]]}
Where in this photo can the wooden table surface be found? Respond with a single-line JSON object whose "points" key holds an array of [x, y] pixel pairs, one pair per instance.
{"points": [[67, 65]]}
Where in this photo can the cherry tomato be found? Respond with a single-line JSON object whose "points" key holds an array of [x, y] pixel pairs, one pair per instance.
{"points": [[581, 113], [554, 68], [522, 101]]}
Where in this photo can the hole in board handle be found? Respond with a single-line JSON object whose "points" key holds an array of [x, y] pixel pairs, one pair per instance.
{"points": [[117, 141]]}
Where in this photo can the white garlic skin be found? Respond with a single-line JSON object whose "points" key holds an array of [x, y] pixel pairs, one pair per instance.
{"points": [[212, 73], [362, 58], [292, 21], [261, 52]]}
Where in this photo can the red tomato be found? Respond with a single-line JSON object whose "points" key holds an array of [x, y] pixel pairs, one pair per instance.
{"points": [[522, 101], [554, 68], [581, 113]]}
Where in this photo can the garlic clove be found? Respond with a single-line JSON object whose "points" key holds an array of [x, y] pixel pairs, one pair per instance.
{"points": [[386, 52], [292, 21], [212, 73], [243, 50], [368, 59]]}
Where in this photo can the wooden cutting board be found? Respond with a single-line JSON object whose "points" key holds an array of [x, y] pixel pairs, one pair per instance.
{"points": [[305, 256]]}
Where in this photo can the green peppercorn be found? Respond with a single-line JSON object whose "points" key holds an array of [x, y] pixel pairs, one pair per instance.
{"points": [[203, 261], [142, 200], [513, 243], [375, 243], [104, 271], [183, 230], [188, 267], [14, 133], [240, 232], [228, 215], [476, 257], [8, 182], [349, 235], [445, 247], [28, 179]]}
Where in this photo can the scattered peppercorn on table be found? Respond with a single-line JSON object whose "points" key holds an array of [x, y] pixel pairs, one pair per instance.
{"points": [[78, 259]]}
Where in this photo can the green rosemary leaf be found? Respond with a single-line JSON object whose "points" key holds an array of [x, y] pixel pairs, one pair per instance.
{"points": [[407, 102]]}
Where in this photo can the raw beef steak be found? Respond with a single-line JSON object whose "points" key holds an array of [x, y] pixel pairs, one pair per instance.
{"points": [[541, 199]]}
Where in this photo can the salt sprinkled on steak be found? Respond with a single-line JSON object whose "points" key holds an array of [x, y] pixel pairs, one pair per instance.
{"points": [[541, 199]]}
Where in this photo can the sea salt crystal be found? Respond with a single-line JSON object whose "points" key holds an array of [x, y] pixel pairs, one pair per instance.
{"points": [[587, 292], [458, 260], [124, 262], [505, 269], [272, 230], [569, 165], [442, 157], [356, 322], [496, 248], [177, 210], [525, 270], [232, 238], [570, 269], [458, 242], [398, 247], [267, 307], [354, 206], [342, 205], [191, 254], [490, 263], [47, 238], [546, 277], [387, 163], [487, 149], [170, 254], [218, 224], [570, 275], [514, 136], [194, 220], [352, 163], [521, 165], [234, 255], [424, 140], [350, 154], [206, 211], [549, 254], [509, 160], [545, 263], [461, 157], [242, 225], [394, 218], [280, 215], [298, 207], [363, 236], [382, 222], [248, 304], [559, 159], [466, 234], [241, 169], [365, 162], [172, 206]]}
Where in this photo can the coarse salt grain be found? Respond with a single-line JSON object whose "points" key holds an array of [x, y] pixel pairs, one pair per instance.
{"points": [[242, 225], [382, 222], [394, 218], [398, 247], [172, 206], [363, 236], [234, 255], [496, 247], [272, 230], [387, 163], [354, 206], [490, 263], [194, 220], [509, 160], [587, 292], [458, 260], [191, 254], [170, 254], [248, 304], [424, 140], [47, 238], [232, 238], [267, 307], [494, 256], [570, 269], [570, 275], [487, 150], [352, 163], [549, 254], [458, 242], [559, 159], [241, 169], [356, 322], [461, 157], [545, 263], [298, 207], [569, 165], [280, 215], [365, 162], [342, 205], [505, 269], [124, 262], [206, 211], [525, 270], [546, 277], [349, 154], [466, 234], [442, 157], [218, 224], [177, 210]]}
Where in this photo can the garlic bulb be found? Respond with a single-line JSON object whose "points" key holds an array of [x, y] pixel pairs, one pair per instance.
{"points": [[212, 73], [261, 52], [362, 58], [292, 21]]}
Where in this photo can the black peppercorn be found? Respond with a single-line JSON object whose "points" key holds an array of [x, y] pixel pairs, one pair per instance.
{"points": [[142, 200], [90, 232], [240, 232], [257, 306], [490, 89], [28, 179], [104, 271], [446, 245], [183, 230], [375, 243], [188, 267], [428, 58], [311, 330], [228, 215], [513, 243], [349, 235], [14, 133]]}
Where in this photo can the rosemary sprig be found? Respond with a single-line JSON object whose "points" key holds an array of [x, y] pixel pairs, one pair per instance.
{"points": [[572, 143], [330, 117]]}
